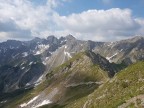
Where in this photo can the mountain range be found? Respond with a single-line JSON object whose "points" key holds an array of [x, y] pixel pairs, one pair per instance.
{"points": [[69, 73]]}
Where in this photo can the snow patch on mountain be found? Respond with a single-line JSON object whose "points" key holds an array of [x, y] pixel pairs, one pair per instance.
{"points": [[11, 47], [41, 48], [67, 53], [32, 100], [109, 58], [30, 63], [40, 100], [45, 60], [27, 84], [66, 46], [111, 43], [39, 80], [14, 56], [63, 41], [45, 102], [121, 50], [37, 53], [3, 101], [23, 68], [23, 63], [25, 54]]}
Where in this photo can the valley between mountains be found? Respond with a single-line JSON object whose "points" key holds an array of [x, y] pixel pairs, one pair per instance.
{"points": [[69, 73]]}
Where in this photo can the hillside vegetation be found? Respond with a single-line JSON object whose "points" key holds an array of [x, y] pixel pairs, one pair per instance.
{"points": [[73, 80], [85, 81], [119, 91]]}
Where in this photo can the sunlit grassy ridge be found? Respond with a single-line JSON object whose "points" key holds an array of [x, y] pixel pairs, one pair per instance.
{"points": [[125, 85], [73, 79], [79, 71]]}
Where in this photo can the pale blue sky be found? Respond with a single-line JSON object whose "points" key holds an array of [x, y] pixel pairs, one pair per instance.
{"points": [[76, 6], [99, 20]]}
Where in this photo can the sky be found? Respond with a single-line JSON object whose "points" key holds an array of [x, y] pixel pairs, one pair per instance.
{"points": [[97, 20]]}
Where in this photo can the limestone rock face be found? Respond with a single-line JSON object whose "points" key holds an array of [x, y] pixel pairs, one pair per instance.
{"points": [[62, 67]]}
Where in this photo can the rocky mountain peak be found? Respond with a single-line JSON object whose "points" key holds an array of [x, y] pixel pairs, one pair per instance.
{"points": [[36, 39], [138, 38], [52, 39], [62, 38], [70, 37], [132, 40], [70, 65]]}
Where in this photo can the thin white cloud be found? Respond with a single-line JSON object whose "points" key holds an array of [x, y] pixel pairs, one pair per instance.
{"points": [[21, 19], [18, 16], [101, 24], [25, 16]]}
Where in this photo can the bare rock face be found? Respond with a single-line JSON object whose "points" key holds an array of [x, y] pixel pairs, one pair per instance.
{"points": [[127, 51], [25, 63], [75, 78]]}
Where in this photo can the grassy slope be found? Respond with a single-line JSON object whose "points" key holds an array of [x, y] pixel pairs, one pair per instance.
{"points": [[78, 69], [126, 84]]}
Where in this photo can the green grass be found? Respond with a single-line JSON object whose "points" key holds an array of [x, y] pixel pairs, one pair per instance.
{"points": [[122, 87], [80, 69]]}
